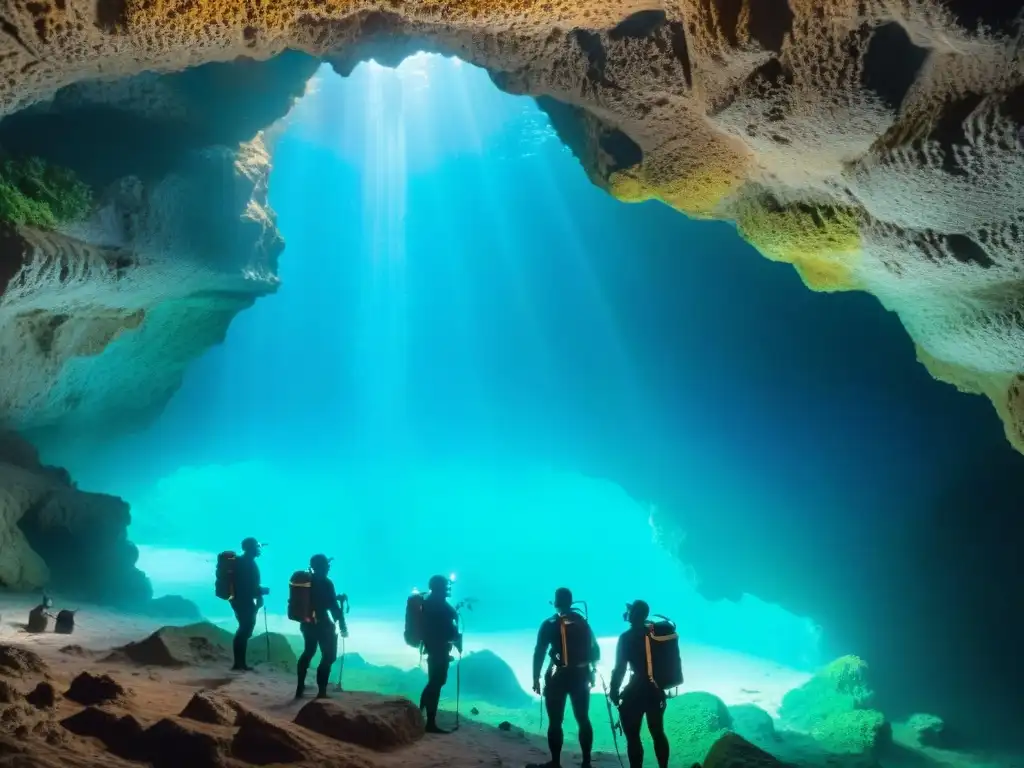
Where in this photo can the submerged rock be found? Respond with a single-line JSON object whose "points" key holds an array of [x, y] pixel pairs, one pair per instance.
{"points": [[123, 736], [488, 677], [693, 722], [753, 723], [172, 607], [860, 732], [260, 741], [375, 722], [930, 730], [733, 751], [838, 688], [18, 662], [43, 696]]}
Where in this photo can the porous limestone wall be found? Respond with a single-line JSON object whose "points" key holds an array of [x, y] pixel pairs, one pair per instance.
{"points": [[874, 144]]}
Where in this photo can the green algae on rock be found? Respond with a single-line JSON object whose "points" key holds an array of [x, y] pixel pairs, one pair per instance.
{"points": [[38, 194]]}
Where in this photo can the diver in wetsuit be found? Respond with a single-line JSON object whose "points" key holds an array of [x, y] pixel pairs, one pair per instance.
{"points": [[641, 696], [440, 633], [325, 605], [569, 641], [247, 600]]}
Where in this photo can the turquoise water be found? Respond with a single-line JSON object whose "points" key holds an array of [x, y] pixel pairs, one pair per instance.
{"points": [[375, 409]]}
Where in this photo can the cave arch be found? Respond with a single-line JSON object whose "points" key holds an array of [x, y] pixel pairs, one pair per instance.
{"points": [[712, 109]]}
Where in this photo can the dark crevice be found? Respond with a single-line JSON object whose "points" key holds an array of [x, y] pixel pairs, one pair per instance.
{"points": [[624, 152], [597, 58], [1000, 16], [681, 50], [639, 25], [111, 15], [770, 22], [891, 64], [966, 251]]}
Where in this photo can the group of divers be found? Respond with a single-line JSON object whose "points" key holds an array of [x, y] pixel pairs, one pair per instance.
{"points": [[432, 625]]}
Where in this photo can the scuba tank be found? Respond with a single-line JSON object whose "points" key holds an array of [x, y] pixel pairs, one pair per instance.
{"points": [[664, 662], [300, 597], [224, 586], [414, 619]]}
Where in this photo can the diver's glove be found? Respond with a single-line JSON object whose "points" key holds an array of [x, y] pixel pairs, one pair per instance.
{"points": [[536, 687], [615, 696], [343, 629]]}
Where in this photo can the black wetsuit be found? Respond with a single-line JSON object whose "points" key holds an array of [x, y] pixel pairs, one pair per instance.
{"points": [[640, 697], [561, 683], [440, 631], [321, 633], [246, 604]]}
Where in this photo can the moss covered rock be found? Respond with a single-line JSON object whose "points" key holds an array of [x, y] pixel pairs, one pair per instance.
{"points": [[733, 751], [693, 722], [40, 195], [753, 723], [861, 732], [838, 688]]}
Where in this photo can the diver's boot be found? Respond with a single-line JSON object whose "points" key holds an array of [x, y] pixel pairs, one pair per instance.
{"points": [[323, 678], [321, 693], [432, 727], [300, 687]]}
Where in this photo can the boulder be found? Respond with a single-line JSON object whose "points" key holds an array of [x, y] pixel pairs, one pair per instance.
{"points": [[733, 751], [213, 708], [930, 730], [170, 743], [195, 644], [172, 607], [488, 677], [693, 722], [43, 696], [123, 736], [753, 723], [89, 689], [860, 732], [839, 687], [19, 662], [376, 722], [260, 741]]}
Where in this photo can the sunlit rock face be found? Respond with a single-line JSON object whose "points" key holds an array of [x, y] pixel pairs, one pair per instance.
{"points": [[102, 313], [875, 145]]}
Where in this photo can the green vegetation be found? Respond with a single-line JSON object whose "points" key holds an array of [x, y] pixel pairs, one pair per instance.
{"points": [[40, 195]]}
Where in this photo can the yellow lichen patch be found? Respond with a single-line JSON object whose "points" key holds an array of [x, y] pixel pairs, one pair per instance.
{"points": [[1005, 390], [821, 241]]}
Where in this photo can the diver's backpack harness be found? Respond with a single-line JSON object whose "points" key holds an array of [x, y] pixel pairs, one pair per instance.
{"points": [[224, 586], [661, 645], [575, 634], [300, 597], [414, 620]]}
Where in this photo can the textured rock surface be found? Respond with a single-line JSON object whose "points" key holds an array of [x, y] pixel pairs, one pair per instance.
{"points": [[101, 316], [875, 145], [52, 534]]}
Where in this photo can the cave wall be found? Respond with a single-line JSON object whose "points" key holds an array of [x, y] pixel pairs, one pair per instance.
{"points": [[875, 145], [56, 537]]}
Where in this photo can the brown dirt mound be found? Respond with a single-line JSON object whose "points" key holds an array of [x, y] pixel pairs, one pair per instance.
{"points": [[19, 662], [262, 742], [733, 751], [43, 696], [213, 709], [8, 693], [368, 720], [123, 736], [92, 689], [173, 744], [195, 644]]}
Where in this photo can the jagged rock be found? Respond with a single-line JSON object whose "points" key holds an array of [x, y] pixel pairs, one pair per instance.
{"points": [[197, 644], [733, 751], [213, 708], [753, 723], [123, 736], [18, 662], [930, 730], [92, 689], [487, 677], [260, 742], [43, 696], [368, 720], [169, 744], [282, 655]]}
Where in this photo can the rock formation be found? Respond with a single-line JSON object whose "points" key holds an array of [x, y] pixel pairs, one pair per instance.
{"points": [[874, 145], [54, 535]]}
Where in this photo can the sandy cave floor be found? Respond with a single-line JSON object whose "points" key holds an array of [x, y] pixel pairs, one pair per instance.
{"points": [[161, 692]]}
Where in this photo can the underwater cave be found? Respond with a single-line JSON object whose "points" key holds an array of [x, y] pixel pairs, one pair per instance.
{"points": [[521, 295]]}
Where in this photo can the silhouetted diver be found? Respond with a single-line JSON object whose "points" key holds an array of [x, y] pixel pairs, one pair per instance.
{"points": [[247, 600], [569, 641], [440, 631], [319, 611]]}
